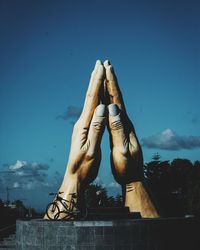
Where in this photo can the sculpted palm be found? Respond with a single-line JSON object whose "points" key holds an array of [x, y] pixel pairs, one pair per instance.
{"points": [[126, 153], [85, 152]]}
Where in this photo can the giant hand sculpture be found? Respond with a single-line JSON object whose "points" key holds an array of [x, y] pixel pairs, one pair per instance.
{"points": [[126, 154], [85, 153]]}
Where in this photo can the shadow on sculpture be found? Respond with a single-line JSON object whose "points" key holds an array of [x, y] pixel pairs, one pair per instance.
{"points": [[103, 107]]}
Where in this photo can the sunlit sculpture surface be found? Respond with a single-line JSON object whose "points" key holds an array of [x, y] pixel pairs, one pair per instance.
{"points": [[85, 153]]}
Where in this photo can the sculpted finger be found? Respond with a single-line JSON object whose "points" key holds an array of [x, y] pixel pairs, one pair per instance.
{"points": [[106, 63], [117, 130], [93, 93], [113, 87], [96, 129], [118, 142]]}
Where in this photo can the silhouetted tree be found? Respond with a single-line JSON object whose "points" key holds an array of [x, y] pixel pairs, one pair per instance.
{"points": [[193, 194], [156, 157], [97, 196], [175, 185], [1, 203], [19, 204], [118, 201]]}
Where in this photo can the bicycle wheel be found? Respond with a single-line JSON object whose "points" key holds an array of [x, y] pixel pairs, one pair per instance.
{"points": [[52, 211], [68, 215]]}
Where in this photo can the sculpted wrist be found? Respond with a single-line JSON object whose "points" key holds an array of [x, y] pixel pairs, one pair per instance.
{"points": [[138, 200], [67, 196], [70, 185]]}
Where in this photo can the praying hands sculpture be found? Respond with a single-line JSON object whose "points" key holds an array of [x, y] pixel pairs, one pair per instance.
{"points": [[85, 153]]}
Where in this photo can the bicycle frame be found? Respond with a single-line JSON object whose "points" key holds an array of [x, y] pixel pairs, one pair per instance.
{"points": [[68, 208]]}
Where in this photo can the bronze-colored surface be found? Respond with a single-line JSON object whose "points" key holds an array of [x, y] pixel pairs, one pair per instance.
{"points": [[126, 153]]}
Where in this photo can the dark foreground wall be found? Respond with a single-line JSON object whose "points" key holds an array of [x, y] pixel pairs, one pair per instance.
{"points": [[143, 234]]}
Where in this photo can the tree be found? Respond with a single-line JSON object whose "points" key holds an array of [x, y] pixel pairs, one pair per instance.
{"points": [[156, 157], [118, 201], [97, 196], [193, 194], [175, 185], [1, 203]]}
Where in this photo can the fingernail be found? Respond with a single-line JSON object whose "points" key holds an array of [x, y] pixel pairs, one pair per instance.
{"points": [[113, 109], [101, 110], [106, 63]]}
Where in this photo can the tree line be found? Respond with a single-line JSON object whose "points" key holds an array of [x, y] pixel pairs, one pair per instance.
{"points": [[174, 186]]}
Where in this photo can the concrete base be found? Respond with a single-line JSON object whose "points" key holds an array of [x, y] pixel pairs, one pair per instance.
{"points": [[141, 234]]}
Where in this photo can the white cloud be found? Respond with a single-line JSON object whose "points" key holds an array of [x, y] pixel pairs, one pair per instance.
{"points": [[27, 180], [169, 140], [16, 184], [19, 164], [26, 175]]}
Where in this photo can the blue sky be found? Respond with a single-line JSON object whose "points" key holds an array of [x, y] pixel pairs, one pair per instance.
{"points": [[47, 52]]}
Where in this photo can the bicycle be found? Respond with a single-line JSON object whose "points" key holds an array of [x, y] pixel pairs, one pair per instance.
{"points": [[71, 211]]}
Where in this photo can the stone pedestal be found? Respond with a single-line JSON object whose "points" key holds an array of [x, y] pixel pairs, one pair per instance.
{"points": [[141, 234]]}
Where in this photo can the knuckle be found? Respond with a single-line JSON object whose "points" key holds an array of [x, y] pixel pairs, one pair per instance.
{"points": [[90, 156], [97, 126], [85, 147], [79, 125], [75, 129], [121, 150], [89, 95], [116, 125], [93, 154], [76, 125], [134, 149]]}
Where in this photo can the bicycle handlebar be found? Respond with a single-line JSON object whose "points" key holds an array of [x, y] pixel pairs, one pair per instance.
{"points": [[55, 193]]}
